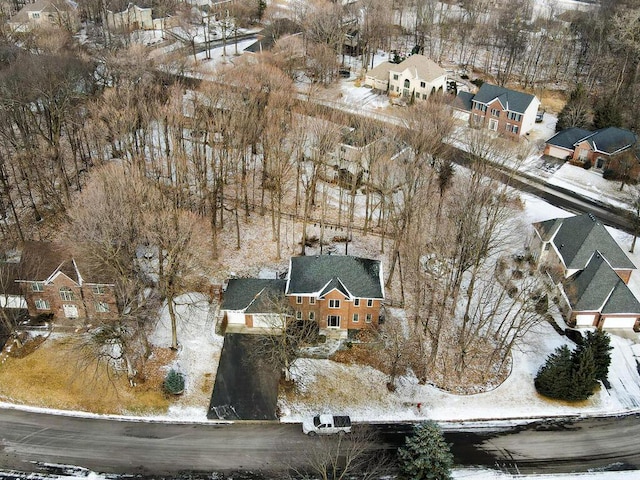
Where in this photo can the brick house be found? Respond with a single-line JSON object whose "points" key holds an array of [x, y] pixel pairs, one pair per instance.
{"points": [[589, 270], [607, 148], [339, 292], [501, 110], [55, 285]]}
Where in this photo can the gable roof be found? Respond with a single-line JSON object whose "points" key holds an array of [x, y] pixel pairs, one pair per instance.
{"points": [[252, 295], [463, 101], [381, 71], [420, 67], [42, 6], [611, 140], [599, 288], [511, 100], [361, 277], [577, 237], [567, 138]]}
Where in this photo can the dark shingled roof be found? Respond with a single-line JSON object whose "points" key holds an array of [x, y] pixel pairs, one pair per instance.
{"points": [[599, 288], [611, 140], [511, 100], [463, 101], [568, 138], [360, 276], [578, 237], [253, 295]]}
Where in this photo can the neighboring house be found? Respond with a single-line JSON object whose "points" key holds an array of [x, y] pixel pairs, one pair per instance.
{"points": [[132, 18], [338, 292], [499, 109], [597, 297], [603, 149], [417, 77], [255, 303], [46, 14], [53, 286], [581, 258]]}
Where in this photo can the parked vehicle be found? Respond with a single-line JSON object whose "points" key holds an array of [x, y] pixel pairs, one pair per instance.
{"points": [[327, 425]]}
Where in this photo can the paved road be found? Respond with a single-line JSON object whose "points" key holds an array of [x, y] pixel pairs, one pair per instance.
{"points": [[164, 449]]}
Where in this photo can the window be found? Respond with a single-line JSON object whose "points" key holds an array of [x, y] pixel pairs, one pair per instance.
{"points": [[356, 302], [98, 289], [424, 96], [37, 286], [368, 318], [66, 294], [495, 112], [493, 124], [312, 300], [407, 84], [42, 304], [356, 318], [35, 15], [298, 315], [369, 302], [395, 76], [514, 116], [423, 85], [312, 316], [102, 307], [397, 89], [298, 300], [512, 128], [480, 106], [333, 321], [334, 303]]}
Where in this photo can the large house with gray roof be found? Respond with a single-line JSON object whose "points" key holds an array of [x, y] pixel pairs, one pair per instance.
{"points": [[339, 292], [500, 109], [603, 148], [590, 270]]}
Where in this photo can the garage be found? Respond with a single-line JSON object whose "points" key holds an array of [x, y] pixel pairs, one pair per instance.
{"points": [[585, 320], [618, 322]]}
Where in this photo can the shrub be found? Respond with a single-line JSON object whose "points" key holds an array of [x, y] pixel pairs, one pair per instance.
{"points": [[610, 174], [425, 455], [174, 382], [587, 165]]}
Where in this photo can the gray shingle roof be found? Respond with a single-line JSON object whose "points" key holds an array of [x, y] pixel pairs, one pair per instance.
{"points": [[511, 100], [611, 140], [253, 295], [578, 237], [567, 138], [463, 100], [360, 276], [599, 288]]}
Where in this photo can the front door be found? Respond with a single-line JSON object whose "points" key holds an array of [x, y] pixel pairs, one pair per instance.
{"points": [[493, 124], [333, 321], [70, 311]]}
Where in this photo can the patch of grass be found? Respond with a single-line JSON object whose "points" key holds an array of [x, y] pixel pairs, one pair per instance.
{"points": [[49, 377], [552, 100]]}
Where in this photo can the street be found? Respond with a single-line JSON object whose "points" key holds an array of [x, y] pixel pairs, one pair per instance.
{"points": [[112, 446]]}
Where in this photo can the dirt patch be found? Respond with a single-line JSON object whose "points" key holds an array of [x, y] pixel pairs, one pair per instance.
{"points": [[51, 377]]}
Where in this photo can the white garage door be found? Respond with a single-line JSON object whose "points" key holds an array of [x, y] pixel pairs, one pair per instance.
{"points": [[619, 322], [585, 320]]}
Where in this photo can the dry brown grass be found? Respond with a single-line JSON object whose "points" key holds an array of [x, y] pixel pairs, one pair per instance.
{"points": [[49, 377], [552, 100]]}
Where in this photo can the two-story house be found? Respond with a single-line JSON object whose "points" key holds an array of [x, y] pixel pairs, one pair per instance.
{"points": [[417, 77], [339, 292], [500, 110], [54, 286], [46, 14]]}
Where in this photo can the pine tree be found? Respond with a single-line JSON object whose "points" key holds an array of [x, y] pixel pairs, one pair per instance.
{"points": [[555, 377], [607, 113], [583, 376], [426, 455], [601, 345]]}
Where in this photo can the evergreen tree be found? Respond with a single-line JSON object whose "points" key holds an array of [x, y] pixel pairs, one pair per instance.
{"points": [[576, 111], [601, 345], [607, 114], [583, 377], [555, 379], [425, 456]]}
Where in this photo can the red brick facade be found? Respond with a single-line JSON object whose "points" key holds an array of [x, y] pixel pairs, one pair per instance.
{"points": [[336, 310], [494, 117]]}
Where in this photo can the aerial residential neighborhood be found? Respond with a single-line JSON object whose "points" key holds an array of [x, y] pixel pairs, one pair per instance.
{"points": [[319, 239]]}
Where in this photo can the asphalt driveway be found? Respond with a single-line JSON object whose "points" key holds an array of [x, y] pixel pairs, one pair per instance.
{"points": [[246, 387]]}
